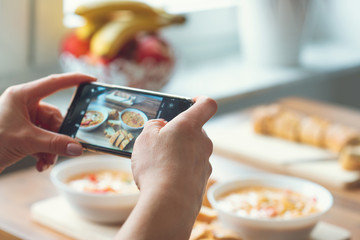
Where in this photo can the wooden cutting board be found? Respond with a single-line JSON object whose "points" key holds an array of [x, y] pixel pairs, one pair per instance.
{"points": [[233, 137], [56, 214]]}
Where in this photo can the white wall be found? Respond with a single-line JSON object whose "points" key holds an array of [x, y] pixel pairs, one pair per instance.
{"points": [[30, 34]]}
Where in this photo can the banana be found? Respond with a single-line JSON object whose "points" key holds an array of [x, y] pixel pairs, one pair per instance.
{"points": [[99, 9], [110, 24], [89, 28], [112, 36], [174, 19]]}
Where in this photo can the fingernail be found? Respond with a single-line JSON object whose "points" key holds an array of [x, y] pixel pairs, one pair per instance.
{"points": [[40, 166], [44, 167], [73, 149]]}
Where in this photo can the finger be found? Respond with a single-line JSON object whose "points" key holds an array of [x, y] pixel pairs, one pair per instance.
{"points": [[202, 110], [155, 125], [43, 87], [49, 142], [48, 117], [44, 161]]}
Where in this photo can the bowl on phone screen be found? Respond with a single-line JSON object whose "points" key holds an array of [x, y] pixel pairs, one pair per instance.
{"points": [[93, 118], [133, 119]]}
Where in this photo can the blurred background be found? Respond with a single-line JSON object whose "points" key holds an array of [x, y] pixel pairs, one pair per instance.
{"points": [[208, 50]]}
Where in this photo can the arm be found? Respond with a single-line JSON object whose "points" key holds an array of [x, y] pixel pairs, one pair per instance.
{"points": [[28, 126], [171, 167]]}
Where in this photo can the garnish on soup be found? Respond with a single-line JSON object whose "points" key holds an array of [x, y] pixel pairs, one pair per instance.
{"points": [[268, 203], [104, 182], [132, 119], [91, 118]]}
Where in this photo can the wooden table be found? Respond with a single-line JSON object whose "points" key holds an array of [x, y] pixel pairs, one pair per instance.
{"points": [[19, 190]]}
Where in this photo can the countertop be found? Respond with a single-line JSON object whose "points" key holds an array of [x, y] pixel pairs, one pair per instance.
{"points": [[19, 190]]}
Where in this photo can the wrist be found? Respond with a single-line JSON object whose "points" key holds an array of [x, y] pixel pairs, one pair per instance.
{"points": [[174, 197]]}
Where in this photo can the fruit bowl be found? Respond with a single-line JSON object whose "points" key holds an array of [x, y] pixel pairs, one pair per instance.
{"points": [[120, 43], [147, 75]]}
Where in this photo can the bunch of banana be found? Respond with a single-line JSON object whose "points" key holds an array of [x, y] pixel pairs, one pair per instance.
{"points": [[110, 24]]}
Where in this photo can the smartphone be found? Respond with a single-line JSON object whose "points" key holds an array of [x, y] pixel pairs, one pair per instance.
{"points": [[106, 118]]}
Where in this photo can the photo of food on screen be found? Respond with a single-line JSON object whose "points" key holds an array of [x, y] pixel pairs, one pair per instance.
{"points": [[115, 118]]}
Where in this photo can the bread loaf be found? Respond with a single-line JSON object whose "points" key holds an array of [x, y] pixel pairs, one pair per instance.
{"points": [[337, 137], [263, 118], [313, 130], [279, 121], [350, 158]]}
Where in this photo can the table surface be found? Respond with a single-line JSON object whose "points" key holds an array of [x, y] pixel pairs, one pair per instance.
{"points": [[19, 190]]}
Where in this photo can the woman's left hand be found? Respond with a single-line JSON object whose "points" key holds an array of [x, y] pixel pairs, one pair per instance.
{"points": [[28, 126]]}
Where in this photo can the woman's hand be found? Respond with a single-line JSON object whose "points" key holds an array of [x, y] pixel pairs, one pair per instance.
{"points": [[175, 155], [28, 126], [170, 163]]}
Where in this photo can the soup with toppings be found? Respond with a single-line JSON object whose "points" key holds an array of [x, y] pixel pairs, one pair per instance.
{"points": [[104, 182], [91, 118], [268, 203], [132, 119]]}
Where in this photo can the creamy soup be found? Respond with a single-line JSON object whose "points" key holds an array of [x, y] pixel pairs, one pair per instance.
{"points": [[104, 182], [133, 119], [268, 203], [92, 118]]}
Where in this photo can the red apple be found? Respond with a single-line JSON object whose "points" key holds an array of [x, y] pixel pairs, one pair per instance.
{"points": [[74, 45], [152, 47]]}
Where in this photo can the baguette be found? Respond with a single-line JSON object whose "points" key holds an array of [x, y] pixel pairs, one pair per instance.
{"points": [[119, 140], [313, 130], [287, 125], [279, 121], [124, 143], [263, 118], [114, 137], [338, 136], [350, 158]]}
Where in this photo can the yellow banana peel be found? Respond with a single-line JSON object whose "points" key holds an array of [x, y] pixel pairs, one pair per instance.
{"points": [[100, 9], [111, 37], [89, 28], [110, 24]]}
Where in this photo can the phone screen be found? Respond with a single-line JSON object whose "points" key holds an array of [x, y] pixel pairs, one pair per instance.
{"points": [[109, 118]]}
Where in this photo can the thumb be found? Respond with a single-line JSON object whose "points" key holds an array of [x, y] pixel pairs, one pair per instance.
{"points": [[54, 143]]}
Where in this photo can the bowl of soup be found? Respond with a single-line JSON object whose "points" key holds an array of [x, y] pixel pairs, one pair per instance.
{"points": [[94, 117], [98, 187], [271, 206], [133, 119]]}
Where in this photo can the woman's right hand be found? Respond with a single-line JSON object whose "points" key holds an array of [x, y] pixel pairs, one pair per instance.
{"points": [[170, 164], [175, 155]]}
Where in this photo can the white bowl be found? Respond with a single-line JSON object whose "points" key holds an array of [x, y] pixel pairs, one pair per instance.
{"points": [[129, 128], [271, 229], [104, 208], [98, 109]]}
